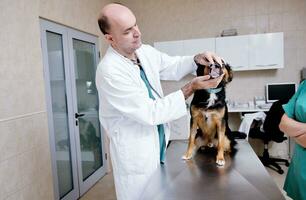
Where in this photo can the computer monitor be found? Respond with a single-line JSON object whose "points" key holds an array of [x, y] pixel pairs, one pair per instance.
{"points": [[277, 91]]}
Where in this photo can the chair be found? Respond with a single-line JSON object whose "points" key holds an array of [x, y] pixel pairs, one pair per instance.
{"points": [[271, 133]]}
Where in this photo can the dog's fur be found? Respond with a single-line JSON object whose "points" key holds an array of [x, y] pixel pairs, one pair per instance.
{"points": [[209, 115]]}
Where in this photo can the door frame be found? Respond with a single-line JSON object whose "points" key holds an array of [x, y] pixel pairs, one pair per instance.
{"points": [[67, 35]]}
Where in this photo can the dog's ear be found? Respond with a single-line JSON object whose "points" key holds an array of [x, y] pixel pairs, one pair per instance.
{"points": [[228, 73], [200, 70]]}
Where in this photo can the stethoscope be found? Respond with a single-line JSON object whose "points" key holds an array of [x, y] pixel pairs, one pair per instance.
{"points": [[137, 62]]}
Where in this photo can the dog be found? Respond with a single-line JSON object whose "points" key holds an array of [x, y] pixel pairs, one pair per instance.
{"points": [[209, 115]]}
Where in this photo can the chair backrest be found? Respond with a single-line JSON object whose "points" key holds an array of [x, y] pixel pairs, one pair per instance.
{"points": [[271, 123]]}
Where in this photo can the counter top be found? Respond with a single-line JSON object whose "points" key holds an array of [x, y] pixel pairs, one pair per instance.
{"points": [[242, 178]]}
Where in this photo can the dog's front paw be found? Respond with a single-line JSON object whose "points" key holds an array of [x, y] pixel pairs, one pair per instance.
{"points": [[186, 157], [220, 162]]}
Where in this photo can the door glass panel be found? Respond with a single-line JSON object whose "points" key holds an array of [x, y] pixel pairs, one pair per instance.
{"points": [[60, 113], [87, 102]]}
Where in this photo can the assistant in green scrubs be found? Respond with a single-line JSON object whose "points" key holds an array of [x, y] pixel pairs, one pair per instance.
{"points": [[295, 184]]}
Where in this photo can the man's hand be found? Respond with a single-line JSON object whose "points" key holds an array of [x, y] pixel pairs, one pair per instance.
{"points": [[204, 82], [199, 83], [207, 58]]}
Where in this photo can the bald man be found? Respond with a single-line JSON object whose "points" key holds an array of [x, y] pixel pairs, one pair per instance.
{"points": [[133, 109]]}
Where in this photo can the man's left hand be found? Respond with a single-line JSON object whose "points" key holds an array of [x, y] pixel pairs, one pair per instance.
{"points": [[207, 58]]}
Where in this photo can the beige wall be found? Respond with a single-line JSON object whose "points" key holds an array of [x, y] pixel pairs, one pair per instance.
{"points": [[161, 20], [25, 167], [25, 170]]}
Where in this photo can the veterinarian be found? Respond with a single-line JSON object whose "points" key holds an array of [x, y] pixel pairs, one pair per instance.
{"points": [[133, 110], [293, 123]]}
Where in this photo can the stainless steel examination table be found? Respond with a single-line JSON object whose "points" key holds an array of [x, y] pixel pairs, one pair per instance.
{"points": [[242, 178]]}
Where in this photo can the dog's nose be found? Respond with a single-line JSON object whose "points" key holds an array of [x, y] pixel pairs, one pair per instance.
{"points": [[215, 65]]}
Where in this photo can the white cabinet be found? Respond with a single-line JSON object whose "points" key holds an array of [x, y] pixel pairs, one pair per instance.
{"points": [[172, 48], [244, 52], [266, 51], [195, 46], [252, 52], [234, 50], [186, 47], [180, 128]]}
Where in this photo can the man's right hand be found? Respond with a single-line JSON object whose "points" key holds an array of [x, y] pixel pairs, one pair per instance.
{"points": [[200, 83]]}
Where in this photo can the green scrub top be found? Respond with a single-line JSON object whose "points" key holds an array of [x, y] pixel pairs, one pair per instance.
{"points": [[295, 184]]}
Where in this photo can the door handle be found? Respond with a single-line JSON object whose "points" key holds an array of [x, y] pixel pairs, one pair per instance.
{"points": [[77, 115]]}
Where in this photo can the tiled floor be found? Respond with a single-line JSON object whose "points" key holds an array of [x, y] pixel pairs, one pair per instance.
{"points": [[279, 179], [105, 189]]}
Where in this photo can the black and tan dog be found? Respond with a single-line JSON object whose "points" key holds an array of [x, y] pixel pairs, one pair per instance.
{"points": [[208, 125]]}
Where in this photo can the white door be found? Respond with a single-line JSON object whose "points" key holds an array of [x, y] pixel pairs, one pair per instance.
{"points": [[70, 60], [84, 59]]}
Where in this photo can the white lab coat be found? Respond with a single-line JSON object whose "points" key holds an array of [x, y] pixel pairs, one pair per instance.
{"points": [[130, 117]]}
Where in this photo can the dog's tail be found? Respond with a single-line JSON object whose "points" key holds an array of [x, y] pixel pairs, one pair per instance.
{"points": [[233, 135], [230, 135]]}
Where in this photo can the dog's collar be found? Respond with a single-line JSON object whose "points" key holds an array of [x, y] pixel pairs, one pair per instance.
{"points": [[214, 90]]}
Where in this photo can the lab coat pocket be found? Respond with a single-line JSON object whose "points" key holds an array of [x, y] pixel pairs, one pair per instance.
{"points": [[135, 152]]}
